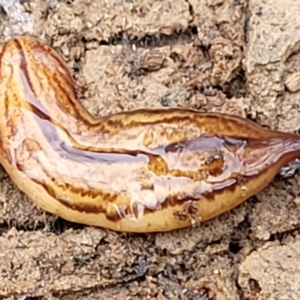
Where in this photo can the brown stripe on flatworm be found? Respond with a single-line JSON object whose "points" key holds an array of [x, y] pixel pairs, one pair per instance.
{"points": [[106, 198]]}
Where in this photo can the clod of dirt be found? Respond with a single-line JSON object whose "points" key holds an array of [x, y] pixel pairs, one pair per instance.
{"points": [[271, 56], [103, 20], [271, 272], [276, 210]]}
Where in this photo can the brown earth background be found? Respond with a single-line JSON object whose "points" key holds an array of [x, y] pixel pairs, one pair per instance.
{"points": [[235, 56]]}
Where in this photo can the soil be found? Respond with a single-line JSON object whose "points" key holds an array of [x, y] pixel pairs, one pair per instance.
{"points": [[239, 57]]}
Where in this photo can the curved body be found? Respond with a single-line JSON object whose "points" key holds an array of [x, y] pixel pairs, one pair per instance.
{"points": [[138, 171]]}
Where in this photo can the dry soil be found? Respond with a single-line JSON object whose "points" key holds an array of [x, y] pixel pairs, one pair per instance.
{"points": [[235, 56]]}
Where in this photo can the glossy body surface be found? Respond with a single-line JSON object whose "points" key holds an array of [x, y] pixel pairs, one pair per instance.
{"points": [[139, 171]]}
